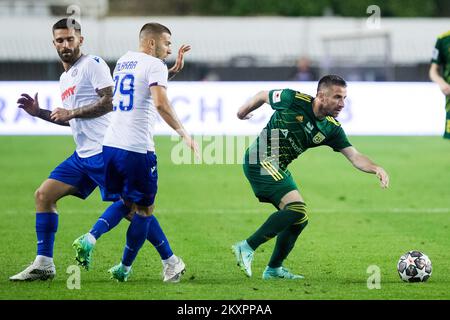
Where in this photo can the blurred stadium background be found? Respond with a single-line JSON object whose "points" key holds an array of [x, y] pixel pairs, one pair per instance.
{"points": [[238, 40], [377, 45]]}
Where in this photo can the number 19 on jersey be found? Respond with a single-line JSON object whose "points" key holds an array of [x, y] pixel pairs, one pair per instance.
{"points": [[125, 96]]}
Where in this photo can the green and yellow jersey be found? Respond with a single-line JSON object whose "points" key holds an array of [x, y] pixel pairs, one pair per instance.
{"points": [[292, 129], [441, 54]]}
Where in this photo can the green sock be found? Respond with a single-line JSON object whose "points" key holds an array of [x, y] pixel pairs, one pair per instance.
{"points": [[276, 223], [285, 243], [286, 239]]}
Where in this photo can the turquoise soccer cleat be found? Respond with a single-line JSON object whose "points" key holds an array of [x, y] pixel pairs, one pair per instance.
{"points": [[244, 256], [118, 272], [280, 273], [83, 250]]}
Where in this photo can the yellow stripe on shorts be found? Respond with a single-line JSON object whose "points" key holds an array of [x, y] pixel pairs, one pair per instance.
{"points": [[272, 171]]}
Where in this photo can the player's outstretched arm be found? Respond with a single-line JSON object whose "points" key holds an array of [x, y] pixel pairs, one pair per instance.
{"points": [[252, 104], [363, 163], [179, 63], [436, 77], [98, 108], [166, 111], [31, 106]]}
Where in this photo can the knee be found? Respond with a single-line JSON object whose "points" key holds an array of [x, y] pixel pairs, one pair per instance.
{"points": [[145, 211], [43, 197], [299, 208], [300, 224]]}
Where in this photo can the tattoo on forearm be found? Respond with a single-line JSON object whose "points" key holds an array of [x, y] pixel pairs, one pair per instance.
{"points": [[45, 115], [99, 108]]}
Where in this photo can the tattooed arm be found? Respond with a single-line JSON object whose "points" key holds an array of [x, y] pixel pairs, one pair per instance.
{"points": [[46, 115], [31, 106], [99, 108], [62, 116]]}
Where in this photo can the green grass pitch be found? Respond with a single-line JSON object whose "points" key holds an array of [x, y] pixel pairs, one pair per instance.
{"points": [[204, 209]]}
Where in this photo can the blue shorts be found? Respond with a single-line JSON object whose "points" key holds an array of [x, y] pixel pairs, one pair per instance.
{"points": [[133, 175], [85, 174]]}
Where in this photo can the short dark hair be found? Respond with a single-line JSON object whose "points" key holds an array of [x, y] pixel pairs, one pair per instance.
{"points": [[154, 27], [330, 80], [67, 23]]}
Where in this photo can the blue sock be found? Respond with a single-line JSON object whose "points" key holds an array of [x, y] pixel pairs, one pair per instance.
{"points": [[46, 227], [158, 239], [110, 218], [136, 234]]}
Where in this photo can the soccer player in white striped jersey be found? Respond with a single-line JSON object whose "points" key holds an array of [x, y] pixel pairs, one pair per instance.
{"points": [[128, 147], [86, 91]]}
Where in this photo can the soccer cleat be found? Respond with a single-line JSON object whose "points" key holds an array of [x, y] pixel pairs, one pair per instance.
{"points": [[83, 250], [244, 256], [172, 272], [36, 272], [280, 273], [118, 272]]}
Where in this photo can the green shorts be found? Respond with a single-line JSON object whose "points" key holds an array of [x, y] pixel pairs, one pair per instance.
{"points": [[268, 183]]}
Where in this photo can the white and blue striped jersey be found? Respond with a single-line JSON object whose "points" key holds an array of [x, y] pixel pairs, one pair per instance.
{"points": [[79, 87], [134, 114]]}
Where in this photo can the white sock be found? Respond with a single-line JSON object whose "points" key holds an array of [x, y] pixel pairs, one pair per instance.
{"points": [[43, 260], [172, 259], [91, 238], [126, 268]]}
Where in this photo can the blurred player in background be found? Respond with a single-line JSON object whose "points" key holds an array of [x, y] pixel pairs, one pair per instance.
{"points": [[128, 146], [299, 122], [441, 58], [86, 91]]}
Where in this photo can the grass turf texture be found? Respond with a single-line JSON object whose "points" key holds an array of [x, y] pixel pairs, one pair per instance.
{"points": [[205, 208]]}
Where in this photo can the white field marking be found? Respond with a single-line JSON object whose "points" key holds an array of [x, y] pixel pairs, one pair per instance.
{"points": [[329, 210], [266, 209]]}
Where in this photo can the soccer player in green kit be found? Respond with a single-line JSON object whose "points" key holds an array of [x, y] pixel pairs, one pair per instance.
{"points": [[441, 57], [299, 122]]}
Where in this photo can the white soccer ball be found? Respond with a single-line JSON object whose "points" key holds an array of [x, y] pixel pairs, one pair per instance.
{"points": [[414, 266]]}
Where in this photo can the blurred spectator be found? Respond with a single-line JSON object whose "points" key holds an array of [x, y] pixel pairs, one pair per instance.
{"points": [[208, 74], [303, 72], [211, 76]]}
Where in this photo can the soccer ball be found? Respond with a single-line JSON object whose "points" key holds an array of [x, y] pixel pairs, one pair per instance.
{"points": [[414, 266]]}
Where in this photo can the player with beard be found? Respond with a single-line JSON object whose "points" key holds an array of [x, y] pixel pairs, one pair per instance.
{"points": [[299, 122], [87, 92]]}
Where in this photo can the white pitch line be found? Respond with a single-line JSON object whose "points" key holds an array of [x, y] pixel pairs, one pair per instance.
{"points": [[312, 210], [265, 210]]}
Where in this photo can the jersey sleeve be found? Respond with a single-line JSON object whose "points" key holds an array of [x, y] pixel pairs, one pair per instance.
{"points": [[157, 74], [436, 56], [339, 140], [281, 99], [99, 73]]}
